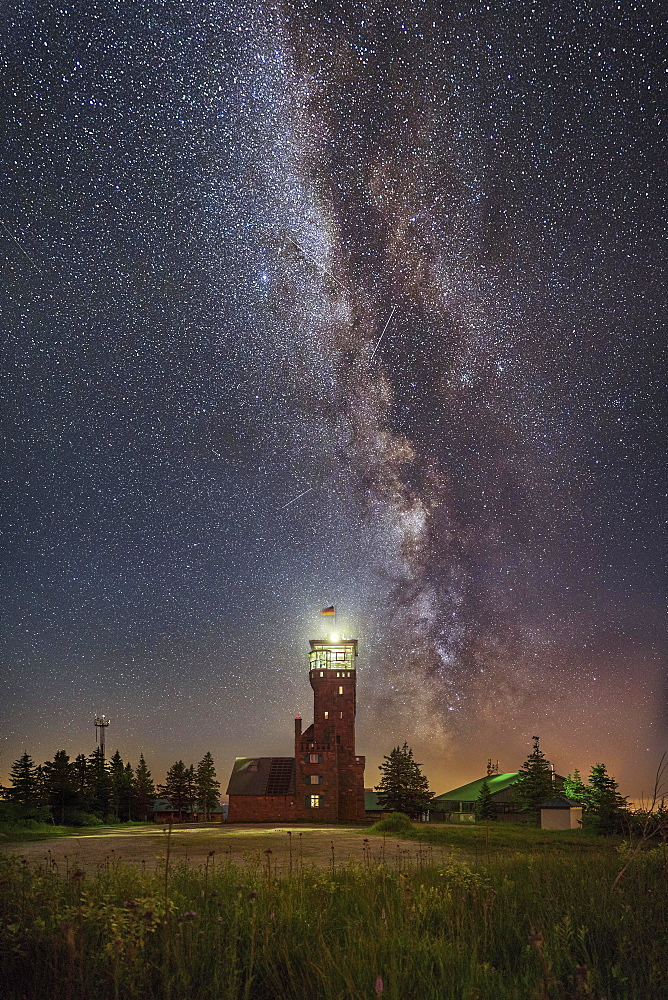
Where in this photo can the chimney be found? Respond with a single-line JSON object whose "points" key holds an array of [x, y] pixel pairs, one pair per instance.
{"points": [[298, 727]]}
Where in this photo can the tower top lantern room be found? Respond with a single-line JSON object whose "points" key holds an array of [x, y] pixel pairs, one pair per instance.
{"points": [[333, 653]]}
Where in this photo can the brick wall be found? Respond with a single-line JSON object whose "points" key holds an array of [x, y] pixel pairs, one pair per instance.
{"points": [[327, 788], [351, 787], [334, 706], [264, 808]]}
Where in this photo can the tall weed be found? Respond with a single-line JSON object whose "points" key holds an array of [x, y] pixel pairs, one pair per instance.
{"points": [[551, 928]]}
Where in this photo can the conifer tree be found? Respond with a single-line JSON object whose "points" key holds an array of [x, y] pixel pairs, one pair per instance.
{"points": [[24, 779], [484, 807], [99, 781], [116, 771], [206, 786], [82, 784], [59, 785], [144, 789], [606, 807], [535, 784], [192, 794], [403, 787], [41, 794], [177, 787], [574, 788], [128, 795]]}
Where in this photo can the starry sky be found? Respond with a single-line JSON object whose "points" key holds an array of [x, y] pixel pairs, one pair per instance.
{"points": [[320, 303]]}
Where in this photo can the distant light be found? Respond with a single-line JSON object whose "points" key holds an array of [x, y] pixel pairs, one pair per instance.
{"points": [[334, 637]]}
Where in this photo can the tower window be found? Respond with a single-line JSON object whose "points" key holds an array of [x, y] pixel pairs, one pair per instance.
{"points": [[314, 758], [326, 715], [315, 801], [340, 715], [322, 674], [340, 690]]}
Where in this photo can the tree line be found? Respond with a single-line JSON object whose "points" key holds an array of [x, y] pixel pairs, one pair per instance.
{"points": [[603, 808], [403, 788], [94, 789]]}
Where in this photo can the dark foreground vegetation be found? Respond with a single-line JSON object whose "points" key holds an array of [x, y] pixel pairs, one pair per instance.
{"points": [[515, 925]]}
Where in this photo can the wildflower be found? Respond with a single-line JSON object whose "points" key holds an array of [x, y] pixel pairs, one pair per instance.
{"points": [[130, 904], [252, 895], [536, 939], [189, 915], [379, 985], [78, 874]]}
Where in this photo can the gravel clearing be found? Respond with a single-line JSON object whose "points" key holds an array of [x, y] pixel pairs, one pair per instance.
{"points": [[241, 844]]}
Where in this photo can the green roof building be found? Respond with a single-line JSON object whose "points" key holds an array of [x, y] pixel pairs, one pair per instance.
{"points": [[459, 803]]}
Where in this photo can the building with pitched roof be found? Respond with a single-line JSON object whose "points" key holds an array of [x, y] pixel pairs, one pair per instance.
{"points": [[325, 778], [459, 803]]}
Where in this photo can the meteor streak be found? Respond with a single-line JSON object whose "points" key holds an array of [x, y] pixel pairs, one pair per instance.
{"points": [[394, 309], [23, 251], [294, 499]]}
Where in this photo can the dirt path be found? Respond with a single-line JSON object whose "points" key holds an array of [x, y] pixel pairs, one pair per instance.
{"points": [[240, 844]]}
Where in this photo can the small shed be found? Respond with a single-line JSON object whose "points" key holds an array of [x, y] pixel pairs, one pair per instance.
{"points": [[561, 813]]}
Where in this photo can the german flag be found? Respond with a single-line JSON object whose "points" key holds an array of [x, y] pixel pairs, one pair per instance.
{"points": [[328, 611]]}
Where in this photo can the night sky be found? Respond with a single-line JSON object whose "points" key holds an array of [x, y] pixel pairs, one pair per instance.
{"points": [[334, 303]]}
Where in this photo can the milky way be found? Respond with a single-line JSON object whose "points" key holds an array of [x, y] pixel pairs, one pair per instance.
{"points": [[345, 304]]}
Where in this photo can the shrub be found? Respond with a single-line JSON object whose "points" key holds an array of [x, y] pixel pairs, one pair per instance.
{"points": [[75, 817], [17, 814], [393, 823]]}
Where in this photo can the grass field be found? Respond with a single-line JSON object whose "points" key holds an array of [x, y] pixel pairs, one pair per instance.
{"points": [[498, 914]]}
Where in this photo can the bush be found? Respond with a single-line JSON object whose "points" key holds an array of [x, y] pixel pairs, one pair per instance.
{"points": [[17, 814], [393, 823], [75, 817]]}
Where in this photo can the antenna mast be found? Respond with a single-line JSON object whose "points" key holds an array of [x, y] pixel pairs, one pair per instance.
{"points": [[101, 723]]}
